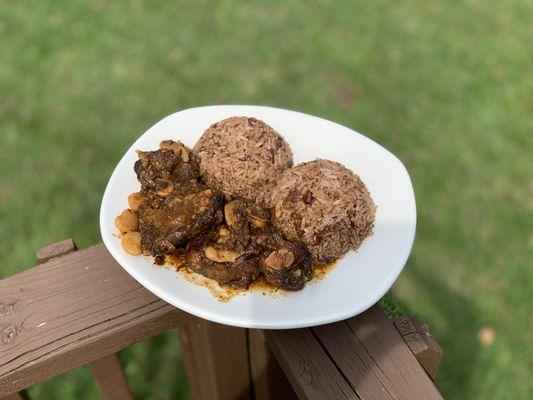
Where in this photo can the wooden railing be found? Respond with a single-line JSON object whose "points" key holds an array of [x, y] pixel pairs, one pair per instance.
{"points": [[80, 307]]}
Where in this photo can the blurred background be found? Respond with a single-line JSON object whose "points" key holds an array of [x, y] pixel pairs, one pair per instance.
{"points": [[445, 85]]}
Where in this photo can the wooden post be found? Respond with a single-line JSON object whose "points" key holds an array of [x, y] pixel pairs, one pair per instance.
{"points": [[216, 357], [421, 342], [110, 376], [55, 250], [268, 380], [107, 371]]}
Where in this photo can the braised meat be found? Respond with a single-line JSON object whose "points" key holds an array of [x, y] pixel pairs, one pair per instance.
{"points": [[284, 264], [236, 253], [176, 207], [219, 255], [246, 218], [288, 266], [168, 170], [170, 225]]}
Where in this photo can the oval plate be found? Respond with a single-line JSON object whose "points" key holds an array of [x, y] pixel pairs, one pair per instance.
{"points": [[358, 281]]}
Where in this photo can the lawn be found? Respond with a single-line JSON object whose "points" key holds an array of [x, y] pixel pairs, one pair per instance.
{"points": [[447, 86]]}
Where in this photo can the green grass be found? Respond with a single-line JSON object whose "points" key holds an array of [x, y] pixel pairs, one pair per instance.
{"points": [[447, 86]]}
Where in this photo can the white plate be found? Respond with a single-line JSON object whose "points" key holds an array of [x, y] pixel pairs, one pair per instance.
{"points": [[358, 281]]}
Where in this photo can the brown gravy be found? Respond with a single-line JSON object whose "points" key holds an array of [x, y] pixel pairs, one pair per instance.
{"points": [[225, 294]]}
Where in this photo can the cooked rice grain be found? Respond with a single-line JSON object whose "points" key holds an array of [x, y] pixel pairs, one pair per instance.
{"points": [[324, 205], [243, 157]]}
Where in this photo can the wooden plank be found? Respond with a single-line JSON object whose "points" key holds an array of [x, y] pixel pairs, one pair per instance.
{"points": [[216, 357], [374, 358], [110, 377], [310, 371], [107, 371], [71, 311], [55, 250], [268, 380], [404, 325], [339, 341], [421, 343]]}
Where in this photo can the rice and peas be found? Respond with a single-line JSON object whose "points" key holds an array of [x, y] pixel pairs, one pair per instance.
{"points": [[319, 203]]}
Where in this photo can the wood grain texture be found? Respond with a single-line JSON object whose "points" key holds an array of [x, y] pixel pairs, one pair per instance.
{"points": [[374, 358], [111, 379], [268, 380], [71, 311], [309, 369], [107, 371], [421, 343], [216, 357], [54, 250], [83, 306]]}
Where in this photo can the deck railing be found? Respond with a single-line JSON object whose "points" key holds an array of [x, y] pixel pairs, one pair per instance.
{"points": [[81, 307]]}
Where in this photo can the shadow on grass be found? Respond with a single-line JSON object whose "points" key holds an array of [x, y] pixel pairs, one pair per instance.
{"points": [[457, 336]]}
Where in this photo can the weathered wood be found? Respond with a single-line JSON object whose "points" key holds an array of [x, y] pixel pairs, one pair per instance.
{"points": [[110, 377], [349, 355], [404, 325], [107, 371], [374, 359], [71, 311], [421, 343], [45, 254], [310, 371], [55, 250], [268, 380], [83, 306], [216, 357]]}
